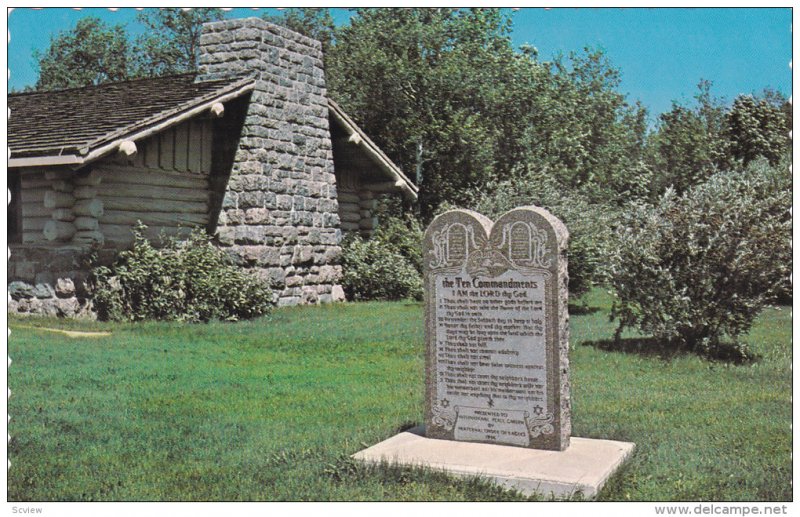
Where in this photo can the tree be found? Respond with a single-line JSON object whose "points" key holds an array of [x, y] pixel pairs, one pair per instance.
{"points": [[758, 127], [689, 145], [428, 86], [93, 52], [314, 22], [171, 44], [587, 132], [449, 99]]}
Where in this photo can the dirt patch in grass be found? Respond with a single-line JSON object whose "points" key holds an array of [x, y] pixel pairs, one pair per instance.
{"points": [[68, 333]]}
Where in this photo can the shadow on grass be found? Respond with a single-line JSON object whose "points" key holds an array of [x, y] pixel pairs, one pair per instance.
{"points": [[580, 310], [666, 351], [408, 425]]}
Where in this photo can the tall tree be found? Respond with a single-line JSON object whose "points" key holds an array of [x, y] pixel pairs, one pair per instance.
{"points": [[92, 52], [171, 44]]}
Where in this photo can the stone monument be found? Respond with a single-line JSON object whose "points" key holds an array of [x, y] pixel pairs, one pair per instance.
{"points": [[497, 329], [497, 401]]}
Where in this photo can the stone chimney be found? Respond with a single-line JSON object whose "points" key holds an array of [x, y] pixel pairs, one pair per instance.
{"points": [[279, 211]]}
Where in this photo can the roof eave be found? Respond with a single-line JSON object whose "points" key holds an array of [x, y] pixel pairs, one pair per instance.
{"points": [[45, 161], [154, 125], [406, 186]]}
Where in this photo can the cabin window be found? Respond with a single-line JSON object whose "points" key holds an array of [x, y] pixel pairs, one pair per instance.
{"points": [[14, 207]]}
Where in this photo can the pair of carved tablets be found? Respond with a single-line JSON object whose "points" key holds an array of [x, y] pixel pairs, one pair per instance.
{"points": [[497, 329]]}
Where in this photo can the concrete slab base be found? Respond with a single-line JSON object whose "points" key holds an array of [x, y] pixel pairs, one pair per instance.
{"points": [[584, 467]]}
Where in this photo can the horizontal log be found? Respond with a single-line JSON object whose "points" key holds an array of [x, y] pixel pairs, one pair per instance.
{"points": [[153, 218], [348, 207], [53, 199], [62, 186], [128, 148], [384, 187], [348, 197], [35, 210], [121, 233], [58, 231], [366, 194], [86, 224], [33, 181], [88, 179], [32, 236], [155, 205], [143, 176], [350, 217], [105, 190], [121, 229], [85, 192], [35, 224], [40, 182], [365, 214], [348, 226], [88, 237], [62, 214], [58, 174], [34, 195], [369, 223], [368, 204], [88, 208]]}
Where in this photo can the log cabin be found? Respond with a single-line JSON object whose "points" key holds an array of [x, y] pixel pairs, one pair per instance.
{"points": [[250, 148]]}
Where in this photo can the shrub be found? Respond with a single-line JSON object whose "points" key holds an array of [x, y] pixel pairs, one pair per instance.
{"points": [[189, 280], [590, 225], [402, 234], [697, 267], [387, 266]]}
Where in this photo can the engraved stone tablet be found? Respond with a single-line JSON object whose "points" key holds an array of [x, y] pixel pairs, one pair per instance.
{"points": [[497, 329]]}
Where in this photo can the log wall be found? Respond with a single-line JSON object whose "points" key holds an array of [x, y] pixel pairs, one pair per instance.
{"points": [[164, 209], [33, 187], [357, 209], [164, 185], [359, 183]]}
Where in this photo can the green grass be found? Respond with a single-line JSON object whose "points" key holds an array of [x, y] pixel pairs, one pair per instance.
{"points": [[272, 409]]}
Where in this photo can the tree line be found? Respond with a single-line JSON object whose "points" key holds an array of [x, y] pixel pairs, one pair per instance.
{"points": [[446, 95]]}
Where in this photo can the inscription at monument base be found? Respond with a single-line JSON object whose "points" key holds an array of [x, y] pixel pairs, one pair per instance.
{"points": [[496, 328]]}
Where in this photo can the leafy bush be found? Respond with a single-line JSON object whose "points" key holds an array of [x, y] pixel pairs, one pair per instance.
{"points": [[387, 266], [697, 267], [401, 232], [189, 280], [590, 225]]}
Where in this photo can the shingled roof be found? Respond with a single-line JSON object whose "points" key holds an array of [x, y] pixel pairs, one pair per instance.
{"points": [[77, 125]]}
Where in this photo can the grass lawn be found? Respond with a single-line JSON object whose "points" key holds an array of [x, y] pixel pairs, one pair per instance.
{"points": [[272, 409]]}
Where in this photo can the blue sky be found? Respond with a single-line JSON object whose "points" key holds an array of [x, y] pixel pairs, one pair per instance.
{"points": [[662, 53]]}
